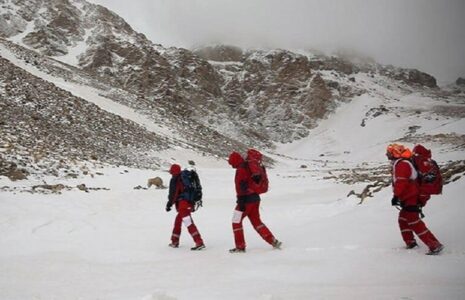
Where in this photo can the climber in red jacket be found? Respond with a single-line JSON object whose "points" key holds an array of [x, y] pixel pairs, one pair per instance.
{"points": [[184, 208], [248, 204], [406, 195]]}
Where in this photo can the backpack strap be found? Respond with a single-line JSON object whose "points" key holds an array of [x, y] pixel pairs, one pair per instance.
{"points": [[413, 173]]}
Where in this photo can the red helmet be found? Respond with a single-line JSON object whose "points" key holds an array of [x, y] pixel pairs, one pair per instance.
{"points": [[175, 169]]}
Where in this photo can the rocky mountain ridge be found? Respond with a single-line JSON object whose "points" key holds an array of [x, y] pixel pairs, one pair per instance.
{"points": [[216, 99]]}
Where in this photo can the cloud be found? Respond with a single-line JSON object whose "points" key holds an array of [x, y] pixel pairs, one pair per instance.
{"points": [[424, 34]]}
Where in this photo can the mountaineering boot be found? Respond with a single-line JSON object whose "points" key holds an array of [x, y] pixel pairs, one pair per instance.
{"points": [[173, 245], [198, 247], [237, 250], [411, 245], [276, 244], [436, 250]]}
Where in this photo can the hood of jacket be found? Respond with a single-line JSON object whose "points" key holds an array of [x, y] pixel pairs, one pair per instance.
{"points": [[175, 169], [235, 159], [421, 151]]}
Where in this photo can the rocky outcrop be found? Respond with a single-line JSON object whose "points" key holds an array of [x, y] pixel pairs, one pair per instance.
{"points": [[460, 81], [176, 109], [377, 178], [411, 77], [333, 63], [420, 78], [276, 92], [11, 170], [218, 95], [213, 87], [221, 53], [10, 24], [262, 95], [44, 125]]}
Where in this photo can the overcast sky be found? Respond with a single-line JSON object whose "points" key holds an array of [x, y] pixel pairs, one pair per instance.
{"points": [[424, 34]]}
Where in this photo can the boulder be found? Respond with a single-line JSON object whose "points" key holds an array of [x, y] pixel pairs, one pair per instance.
{"points": [[460, 81], [156, 181]]}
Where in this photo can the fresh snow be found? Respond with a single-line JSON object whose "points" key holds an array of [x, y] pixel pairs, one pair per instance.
{"points": [[72, 58], [113, 244], [18, 39]]}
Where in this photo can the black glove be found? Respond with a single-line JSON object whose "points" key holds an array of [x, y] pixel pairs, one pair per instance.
{"points": [[241, 205], [168, 206], [422, 215], [256, 178], [395, 201], [428, 178]]}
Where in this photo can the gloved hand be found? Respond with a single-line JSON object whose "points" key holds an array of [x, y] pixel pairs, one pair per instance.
{"points": [[256, 178], [422, 215], [168, 206], [395, 201], [241, 205], [428, 178]]}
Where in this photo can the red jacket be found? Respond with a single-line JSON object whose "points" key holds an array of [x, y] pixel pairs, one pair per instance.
{"points": [[242, 179], [176, 190], [404, 182]]}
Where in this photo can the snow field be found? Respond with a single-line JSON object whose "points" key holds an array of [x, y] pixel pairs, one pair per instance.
{"points": [[113, 244]]}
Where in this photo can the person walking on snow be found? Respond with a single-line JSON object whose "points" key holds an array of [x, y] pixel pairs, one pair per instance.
{"points": [[407, 196], [177, 197], [248, 204]]}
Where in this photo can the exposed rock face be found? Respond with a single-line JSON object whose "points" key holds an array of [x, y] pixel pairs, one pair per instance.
{"points": [[62, 30], [42, 123], [411, 77], [245, 93], [11, 170], [11, 25], [334, 64], [175, 114], [220, 53], [421, 78], [263, 94], [460, 81], [276, 92], [220, 95], [56, 29]]}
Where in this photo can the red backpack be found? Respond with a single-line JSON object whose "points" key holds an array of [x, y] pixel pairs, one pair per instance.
{"points": [[429, 173], [259, 178]]}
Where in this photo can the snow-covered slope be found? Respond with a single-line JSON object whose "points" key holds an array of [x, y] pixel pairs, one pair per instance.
{"points": [[254, 96], [113, 244], [359, 132]]}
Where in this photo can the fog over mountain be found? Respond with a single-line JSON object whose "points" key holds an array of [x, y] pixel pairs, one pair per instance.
{"points": [[424, 34]]}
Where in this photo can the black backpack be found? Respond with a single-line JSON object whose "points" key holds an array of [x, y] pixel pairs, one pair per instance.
{"points": [[192, 188]]}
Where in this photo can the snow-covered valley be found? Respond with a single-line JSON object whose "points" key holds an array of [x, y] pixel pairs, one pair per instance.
{"points": [[113, 243]]}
